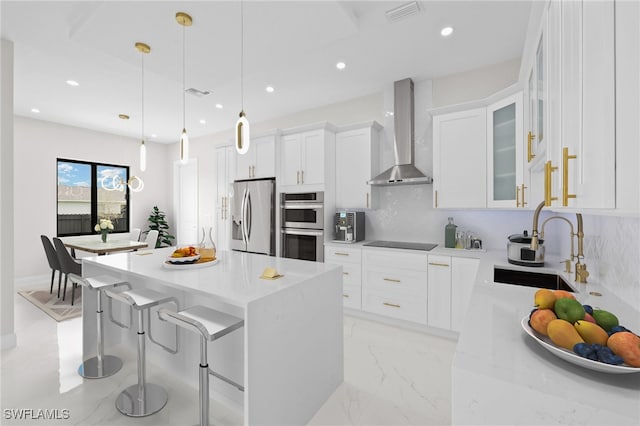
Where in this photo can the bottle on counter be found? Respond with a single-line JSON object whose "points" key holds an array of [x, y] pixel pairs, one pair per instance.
{"points": [[207, 247], [450, 234]]}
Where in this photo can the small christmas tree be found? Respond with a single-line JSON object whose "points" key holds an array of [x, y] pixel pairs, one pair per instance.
{"points": [[157, 222]]}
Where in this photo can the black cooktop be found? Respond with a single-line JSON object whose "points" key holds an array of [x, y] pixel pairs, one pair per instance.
{"points": [[402, 245]]}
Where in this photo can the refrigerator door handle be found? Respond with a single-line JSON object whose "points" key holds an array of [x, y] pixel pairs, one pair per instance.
{"points": [[249, 216], [244, 216]]}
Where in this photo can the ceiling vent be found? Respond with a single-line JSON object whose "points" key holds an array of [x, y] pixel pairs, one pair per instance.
{"points": [[197, 93], [401, 12]]}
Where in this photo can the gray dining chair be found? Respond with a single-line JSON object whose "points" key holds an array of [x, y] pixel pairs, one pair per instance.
{"points": [[68, 265], [54, 263], [152, 238], [134, 235]]}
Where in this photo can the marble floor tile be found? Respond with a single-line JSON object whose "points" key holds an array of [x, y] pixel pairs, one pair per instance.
{"points": [[392, 376]]}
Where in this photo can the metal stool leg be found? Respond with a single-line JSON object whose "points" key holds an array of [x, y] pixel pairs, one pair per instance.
{"points": [[141, 399], [101, 365], [204, 383]]}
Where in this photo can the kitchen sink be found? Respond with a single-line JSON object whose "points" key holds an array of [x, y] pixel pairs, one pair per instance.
{"points": [[530, 279]]}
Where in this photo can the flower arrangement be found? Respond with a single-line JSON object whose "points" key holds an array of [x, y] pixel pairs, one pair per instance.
{"points": [[104, 227]]}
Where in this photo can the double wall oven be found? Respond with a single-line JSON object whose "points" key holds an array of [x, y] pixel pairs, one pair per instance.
{"points": [[302, 226]]}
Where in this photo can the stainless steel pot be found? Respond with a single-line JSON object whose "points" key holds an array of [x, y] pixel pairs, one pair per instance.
{"points": [[519, 251]]}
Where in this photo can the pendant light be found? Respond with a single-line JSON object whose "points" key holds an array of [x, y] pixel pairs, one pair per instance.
{"points": [[242, 125], [144, 49], [186, 21]]}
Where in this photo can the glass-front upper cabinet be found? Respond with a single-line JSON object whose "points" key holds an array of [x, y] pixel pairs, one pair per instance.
{"points": [[506, 187], [536, 86]]}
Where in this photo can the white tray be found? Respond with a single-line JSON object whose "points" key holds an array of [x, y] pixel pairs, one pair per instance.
{"points": [[168, 265], [572, 357]]}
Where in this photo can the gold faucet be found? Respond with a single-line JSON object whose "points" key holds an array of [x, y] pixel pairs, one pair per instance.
{"points": [[581, 268]]}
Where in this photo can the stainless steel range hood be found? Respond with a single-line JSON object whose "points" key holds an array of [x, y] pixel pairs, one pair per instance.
{"points": [[403, 172]]}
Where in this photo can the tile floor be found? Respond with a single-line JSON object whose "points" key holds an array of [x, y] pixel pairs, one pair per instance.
{"points": [[392, 376]]}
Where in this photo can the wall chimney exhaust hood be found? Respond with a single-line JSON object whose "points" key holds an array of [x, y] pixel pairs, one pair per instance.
{"points": [[403, 172]]}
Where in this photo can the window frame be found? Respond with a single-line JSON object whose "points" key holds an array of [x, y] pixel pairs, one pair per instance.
{"points": [[94, 195]]}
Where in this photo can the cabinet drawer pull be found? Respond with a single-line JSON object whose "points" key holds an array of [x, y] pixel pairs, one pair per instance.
{"points": [[530, 154], [345, 295], [339, 253], [439, 264], [367, 200], [302, 177], [393, 305], [565, 176], [298, 177], [524, 203], [517, 196], [345, 273], [391, 280], [548, 170], [436, 196]]}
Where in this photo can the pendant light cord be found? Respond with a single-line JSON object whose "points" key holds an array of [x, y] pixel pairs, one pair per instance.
{"points": [[241, 55], [183, 78], [142, 98]]}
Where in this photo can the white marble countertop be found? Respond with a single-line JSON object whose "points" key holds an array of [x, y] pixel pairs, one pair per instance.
{"points": [[501, 376], [234, 279]]}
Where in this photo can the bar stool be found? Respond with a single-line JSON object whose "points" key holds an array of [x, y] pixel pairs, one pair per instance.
{"points": [[211, 325], [143, 399], [100, 365]]}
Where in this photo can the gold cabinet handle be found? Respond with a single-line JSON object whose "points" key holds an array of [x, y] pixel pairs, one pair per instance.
{"points": [[302, 177], [439, 264], [548, 170], [436, 198], [392, 280], [338, 253], [524, 202], [345, 273], [367, 200], [565, 176], [517, 196], [298, 177], [253, 171], [393, 305], [530, 154], [345, 295]]}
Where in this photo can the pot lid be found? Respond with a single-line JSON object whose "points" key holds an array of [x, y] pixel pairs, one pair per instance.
{"points": [[523, 238]]}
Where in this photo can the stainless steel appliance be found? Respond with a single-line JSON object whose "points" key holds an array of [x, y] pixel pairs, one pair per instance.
{"points": [[302, 220], [519, 251], [348, 227], [253, 217]]}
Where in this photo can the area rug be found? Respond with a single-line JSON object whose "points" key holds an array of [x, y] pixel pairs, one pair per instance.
{"points": [[58, 309]]}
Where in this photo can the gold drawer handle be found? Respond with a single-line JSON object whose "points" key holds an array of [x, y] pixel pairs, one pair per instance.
{"points": [[565, 176], [548, 170], [345, 273], [393, 305], [439, 264], [530, 154], [345, 295], [341, 254], [391, 280]]}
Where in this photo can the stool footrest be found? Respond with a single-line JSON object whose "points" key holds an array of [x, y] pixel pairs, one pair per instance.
{"points": [[226, 380]]}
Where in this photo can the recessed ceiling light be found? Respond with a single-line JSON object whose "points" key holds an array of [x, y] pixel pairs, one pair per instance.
{"points": [[203, 121], [123, 116], [72, 83], [36, 110], [270, 89], [446, 31], [341, 65], [219, 106]]}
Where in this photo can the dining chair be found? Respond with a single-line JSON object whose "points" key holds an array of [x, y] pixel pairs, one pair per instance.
{"points": [[152, 238], [54, 263], [68, 265], [134, 235]]}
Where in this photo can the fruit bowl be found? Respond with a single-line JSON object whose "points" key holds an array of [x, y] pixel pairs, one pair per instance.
{"points": [[573, 358]]}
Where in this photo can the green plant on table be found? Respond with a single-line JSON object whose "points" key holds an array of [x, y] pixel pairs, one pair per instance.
{"points": [[158, 222]]}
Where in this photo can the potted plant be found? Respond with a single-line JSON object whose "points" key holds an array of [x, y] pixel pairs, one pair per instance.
{"points": [[158, 222]]}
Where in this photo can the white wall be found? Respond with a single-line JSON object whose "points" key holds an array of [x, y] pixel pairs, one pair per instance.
{"points": [[7, 332], [37, 146]]}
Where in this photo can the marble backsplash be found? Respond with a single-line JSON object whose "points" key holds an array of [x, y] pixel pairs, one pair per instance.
{"points": [[612, 253]]}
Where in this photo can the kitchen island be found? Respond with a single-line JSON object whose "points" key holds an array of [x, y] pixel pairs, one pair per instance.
{"points": [[501, 376], [289, 355]]}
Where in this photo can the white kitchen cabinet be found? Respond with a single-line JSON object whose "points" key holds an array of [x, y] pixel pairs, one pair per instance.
{"points": [[303, 158], [463, 277], [587, 159], [225, 165], [259, 161], [394, 283], [505, 179], [460, 159], [350, 258], [356, 162], [439, 292]]}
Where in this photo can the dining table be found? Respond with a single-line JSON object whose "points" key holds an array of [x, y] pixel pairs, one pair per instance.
{"points": [[96, 246]]}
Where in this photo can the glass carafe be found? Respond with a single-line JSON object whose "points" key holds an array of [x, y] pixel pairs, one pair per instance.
{"points": [[207, 247]]}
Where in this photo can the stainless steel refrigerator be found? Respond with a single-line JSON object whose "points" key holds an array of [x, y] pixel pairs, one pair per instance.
{"points": [[253, 216]]}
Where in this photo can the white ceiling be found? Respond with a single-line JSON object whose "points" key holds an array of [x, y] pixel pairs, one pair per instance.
{"points": [[291, 45]]}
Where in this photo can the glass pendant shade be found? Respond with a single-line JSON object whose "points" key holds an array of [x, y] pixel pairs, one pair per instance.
{"points": [[143, 156], [184, 146], [242, 134]]}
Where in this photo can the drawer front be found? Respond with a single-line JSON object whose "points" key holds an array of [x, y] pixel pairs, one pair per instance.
{"points": [[351, 274], [396, 282], [405, 308], [352, 296], [333, 254], [401, 259]]}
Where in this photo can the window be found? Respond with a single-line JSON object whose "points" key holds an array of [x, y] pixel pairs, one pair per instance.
{"points": [[88, 192]]}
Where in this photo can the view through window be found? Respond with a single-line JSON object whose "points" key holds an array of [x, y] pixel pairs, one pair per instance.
{"points": [[88, 192]]}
